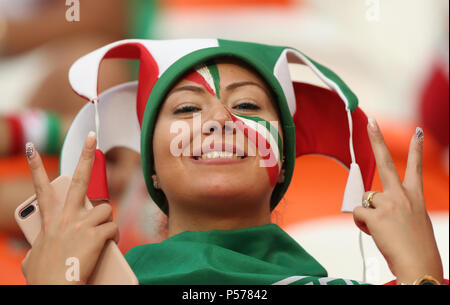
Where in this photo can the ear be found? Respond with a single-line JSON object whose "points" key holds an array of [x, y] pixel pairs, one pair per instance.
{"points": [[155, 182], [281, 176]]}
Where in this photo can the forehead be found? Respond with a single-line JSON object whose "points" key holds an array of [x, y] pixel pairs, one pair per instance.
{"points": [[229, 72]]}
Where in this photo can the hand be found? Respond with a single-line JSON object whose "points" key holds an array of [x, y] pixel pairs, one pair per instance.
{"points": [[398, 220], [71, 231]]}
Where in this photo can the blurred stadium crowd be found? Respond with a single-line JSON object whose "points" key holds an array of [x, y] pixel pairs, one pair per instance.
{"points": [[392, 53]]}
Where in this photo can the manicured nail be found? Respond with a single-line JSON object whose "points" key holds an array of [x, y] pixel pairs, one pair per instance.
{"points": [[90, 142], [373, 124], [419, 135], [29, 150]]}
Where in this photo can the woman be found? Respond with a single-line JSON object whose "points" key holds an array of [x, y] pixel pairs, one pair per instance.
{"points": [[219, 196]]}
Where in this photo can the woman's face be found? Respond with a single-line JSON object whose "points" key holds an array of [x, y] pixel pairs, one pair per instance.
{"points": [[191, 173]]}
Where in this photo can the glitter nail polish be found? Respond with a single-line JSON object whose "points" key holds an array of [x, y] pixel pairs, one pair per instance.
{"points": [[29, 150]]}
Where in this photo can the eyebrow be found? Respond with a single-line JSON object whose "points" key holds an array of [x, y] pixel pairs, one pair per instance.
{"points": [[199, 89], [196, 89], [246, 83]]}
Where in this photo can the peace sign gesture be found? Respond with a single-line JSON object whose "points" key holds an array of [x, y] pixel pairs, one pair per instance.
{"points": [[68, 233], [397, 218]]}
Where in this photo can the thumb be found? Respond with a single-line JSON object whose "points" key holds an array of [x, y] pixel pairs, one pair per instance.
{"points": [[25, 263]]}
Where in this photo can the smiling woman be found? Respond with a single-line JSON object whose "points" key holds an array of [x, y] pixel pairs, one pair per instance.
{"points": [[243, 123], [200, 184]]}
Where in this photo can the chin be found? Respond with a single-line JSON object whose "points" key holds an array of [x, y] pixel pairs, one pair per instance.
{"points": [[222, 189]]}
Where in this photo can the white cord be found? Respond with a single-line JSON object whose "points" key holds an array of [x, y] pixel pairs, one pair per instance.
{"points": [[97, 120], [350, 127], [361, 249]]}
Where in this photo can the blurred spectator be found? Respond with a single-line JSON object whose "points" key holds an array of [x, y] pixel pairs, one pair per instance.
{"points": [[40, 27]]}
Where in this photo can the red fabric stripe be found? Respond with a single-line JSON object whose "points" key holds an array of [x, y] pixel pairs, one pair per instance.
{"points": [[197, 78], [148, 71], [17, 136], [272, 171], [321, 127], [98, 185]]}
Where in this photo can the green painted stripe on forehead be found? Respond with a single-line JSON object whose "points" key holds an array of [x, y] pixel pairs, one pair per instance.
{"points": [[214, 70]]}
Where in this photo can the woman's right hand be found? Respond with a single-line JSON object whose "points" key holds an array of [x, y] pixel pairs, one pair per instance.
{"points": [[67, 233]]}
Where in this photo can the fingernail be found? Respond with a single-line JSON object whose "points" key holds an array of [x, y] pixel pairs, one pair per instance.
{"points": [[90, 142], [29, 150], [419, 135], [373, 124]]}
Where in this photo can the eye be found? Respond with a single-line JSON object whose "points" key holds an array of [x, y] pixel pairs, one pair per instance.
{"points": [[186, 109], [247, 106]]}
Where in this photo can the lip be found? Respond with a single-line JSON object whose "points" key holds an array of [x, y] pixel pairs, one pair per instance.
{"points": [[217, 161], [225, 148]]}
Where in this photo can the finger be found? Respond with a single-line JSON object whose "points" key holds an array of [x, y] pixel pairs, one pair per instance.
{"points": [[117, 236], [360, 217], [25, 262], [99, 215], [375, 201], [107, 231], [413, 174], [39, 176], [80, 179], [386, 167]]}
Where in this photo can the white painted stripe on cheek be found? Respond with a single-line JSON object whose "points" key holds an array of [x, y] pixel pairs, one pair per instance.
{"points": [[265, 133]]}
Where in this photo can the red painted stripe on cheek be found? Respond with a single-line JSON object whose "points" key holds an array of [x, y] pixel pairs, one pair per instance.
{"points": [[272, 171]]}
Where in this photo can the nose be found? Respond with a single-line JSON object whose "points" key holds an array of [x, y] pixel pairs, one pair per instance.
{"points": [[216, 119]]}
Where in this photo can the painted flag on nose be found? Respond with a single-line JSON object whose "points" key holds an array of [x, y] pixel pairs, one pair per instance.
{"points": [[265, 136], [208, 77]]}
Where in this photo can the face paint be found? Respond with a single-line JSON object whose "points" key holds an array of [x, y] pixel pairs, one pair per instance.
{"points": [[208, 77], [265, 137], [260, 132]]}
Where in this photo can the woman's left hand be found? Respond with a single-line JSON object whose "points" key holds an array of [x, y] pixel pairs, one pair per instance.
{"points": [[397, 219]]}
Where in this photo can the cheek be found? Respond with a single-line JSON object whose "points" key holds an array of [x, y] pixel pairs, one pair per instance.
{"points": [[167, 149], [163, 159], [180, 177]]}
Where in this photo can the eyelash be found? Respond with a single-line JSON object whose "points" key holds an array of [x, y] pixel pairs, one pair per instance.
{"points": [[248, 106], [186, 109]]}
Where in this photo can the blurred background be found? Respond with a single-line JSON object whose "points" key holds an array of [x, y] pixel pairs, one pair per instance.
{"points": [[392, 53]]}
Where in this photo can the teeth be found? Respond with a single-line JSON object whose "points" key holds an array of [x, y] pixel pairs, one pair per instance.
{"points": [[219, 154]]}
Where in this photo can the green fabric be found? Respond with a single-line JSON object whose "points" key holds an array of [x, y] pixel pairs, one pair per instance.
{"points": [[141, 15], [258, 255], [53, 133], [262, 63], [264, 54], [352, 99], [261, 255]]}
